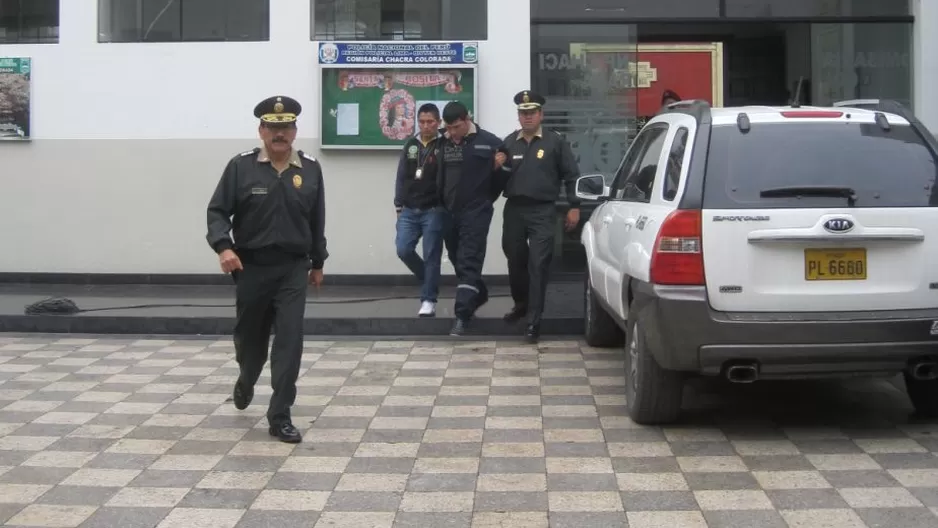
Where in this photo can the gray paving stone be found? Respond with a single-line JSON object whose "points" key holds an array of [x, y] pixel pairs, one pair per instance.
{"points": [[115, 432], [106, 517]]}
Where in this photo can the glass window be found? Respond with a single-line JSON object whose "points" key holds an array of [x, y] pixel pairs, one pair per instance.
{"points": [[857, 61], [886, 168], [29, 21], [817, 8], [183, 20], [672, 177], [570, 10], [585, 72], [629, 161], [399, 19], [641, 179]]}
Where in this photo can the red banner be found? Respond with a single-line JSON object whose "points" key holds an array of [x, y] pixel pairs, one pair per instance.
{"points": [[687, 73], [640, 74], [373, 79]]}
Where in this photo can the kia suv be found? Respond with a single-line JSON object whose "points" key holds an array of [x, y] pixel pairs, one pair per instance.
{"points": [[759, 243]]}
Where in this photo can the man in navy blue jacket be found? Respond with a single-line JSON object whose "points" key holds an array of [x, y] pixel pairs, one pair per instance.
{"points": [[470, 180]]}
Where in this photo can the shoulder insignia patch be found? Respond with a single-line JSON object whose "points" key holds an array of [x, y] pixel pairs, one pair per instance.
{"points": [[307, 156], [248, 153]]}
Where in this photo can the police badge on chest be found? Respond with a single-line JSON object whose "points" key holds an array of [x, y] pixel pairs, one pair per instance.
{"points": [[418, 174]]}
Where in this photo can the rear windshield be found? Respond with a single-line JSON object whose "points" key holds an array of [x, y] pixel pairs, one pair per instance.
{"points": [[891, 168]]}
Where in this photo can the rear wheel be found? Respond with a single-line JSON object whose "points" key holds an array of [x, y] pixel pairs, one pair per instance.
{"points": [[653, 394], [923, 394], [600, 328]]}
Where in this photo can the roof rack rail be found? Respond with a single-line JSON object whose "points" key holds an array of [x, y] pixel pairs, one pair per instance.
{"points": [[883, 105], [699, 109]]}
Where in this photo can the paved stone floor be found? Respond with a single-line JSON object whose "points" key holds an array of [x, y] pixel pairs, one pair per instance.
{"points": [[123, 433]]}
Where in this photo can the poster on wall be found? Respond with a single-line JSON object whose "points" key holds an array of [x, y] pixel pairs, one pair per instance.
{"points": [[14, 98], [691, 70], [370, 91]]}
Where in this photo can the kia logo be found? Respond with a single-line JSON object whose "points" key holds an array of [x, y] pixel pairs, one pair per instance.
{"points": [[838, 225]]}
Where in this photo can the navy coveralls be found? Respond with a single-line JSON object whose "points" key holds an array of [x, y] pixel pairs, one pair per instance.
{"points": [[469, 184]]}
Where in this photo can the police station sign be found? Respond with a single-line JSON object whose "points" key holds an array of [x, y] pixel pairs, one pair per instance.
{"points": [[398, 53], [369, 92]]}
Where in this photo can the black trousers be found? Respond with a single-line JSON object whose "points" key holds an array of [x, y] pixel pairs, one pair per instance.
{"points": [[528, 233], [272, 295], [467, 237]]}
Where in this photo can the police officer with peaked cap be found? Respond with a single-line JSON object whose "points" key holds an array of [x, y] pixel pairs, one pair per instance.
{"points": [[273, 199], [541, 163]]}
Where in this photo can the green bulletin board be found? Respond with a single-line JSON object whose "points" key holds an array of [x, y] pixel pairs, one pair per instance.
{"points": [[370, 91], [377, 107]]}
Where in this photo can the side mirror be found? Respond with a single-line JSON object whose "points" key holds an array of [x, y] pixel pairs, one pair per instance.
{"points": [[591, 187]]}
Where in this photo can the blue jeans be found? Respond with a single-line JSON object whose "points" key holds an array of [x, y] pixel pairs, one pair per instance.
{"points": [[412, 225]]}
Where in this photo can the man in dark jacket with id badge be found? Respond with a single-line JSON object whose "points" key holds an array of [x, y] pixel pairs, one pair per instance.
{"points": [[420, 212], [470, 180]]}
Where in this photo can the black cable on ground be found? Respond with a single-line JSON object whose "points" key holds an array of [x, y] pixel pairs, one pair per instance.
{"points": [[66, 306]]}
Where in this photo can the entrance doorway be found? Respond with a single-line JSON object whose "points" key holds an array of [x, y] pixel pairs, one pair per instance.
{"points": [[761, 62]]}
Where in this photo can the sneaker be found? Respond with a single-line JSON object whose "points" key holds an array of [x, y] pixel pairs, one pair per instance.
{"points": [[427, 309]]}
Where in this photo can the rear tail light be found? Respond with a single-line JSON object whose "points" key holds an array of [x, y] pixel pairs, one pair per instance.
{"points": [[678, 257], [813, 113]]}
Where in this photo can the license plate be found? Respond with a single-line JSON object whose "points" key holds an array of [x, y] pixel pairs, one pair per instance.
{"points": [[834, 264]]}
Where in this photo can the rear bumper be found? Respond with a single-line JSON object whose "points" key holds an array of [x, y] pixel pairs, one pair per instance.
{"points": [[685, 334]]}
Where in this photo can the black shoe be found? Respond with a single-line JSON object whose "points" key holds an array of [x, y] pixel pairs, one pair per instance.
{"points": [[515, 314], [482, 300], [242, 395], [459, 328], [532, 333], [286, 433]]}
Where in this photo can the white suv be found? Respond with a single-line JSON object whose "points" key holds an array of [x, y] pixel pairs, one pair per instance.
{"points": [[767, 243]]}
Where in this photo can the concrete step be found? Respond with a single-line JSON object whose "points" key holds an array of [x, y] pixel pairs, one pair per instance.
{"points": [[209, 310]]}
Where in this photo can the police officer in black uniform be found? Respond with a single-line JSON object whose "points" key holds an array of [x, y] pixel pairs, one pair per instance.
{"points": [[541, 162], [272, 197]]}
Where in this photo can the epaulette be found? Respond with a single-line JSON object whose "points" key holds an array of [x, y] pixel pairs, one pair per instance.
{"points": [[307, 156], [254, 150]]}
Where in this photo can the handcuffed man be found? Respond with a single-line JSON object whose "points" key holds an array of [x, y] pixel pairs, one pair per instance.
{"points": [[470, 181]]}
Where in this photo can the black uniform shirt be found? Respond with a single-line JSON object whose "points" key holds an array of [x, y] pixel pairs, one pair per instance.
{"points": [[266, 210], [539, 168]]}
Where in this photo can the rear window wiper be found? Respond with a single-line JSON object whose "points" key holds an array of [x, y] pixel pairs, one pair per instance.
{"points": [[811, 190]]}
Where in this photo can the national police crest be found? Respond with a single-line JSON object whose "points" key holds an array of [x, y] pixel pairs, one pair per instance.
{"points": [[297, 181]]}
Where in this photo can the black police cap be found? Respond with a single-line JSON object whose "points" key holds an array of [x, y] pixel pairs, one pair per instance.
{"points": [[278, 109], [528, 100]]}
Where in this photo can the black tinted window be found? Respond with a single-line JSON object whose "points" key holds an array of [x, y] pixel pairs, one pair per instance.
{"points": [[672, 177], [891, 168]]}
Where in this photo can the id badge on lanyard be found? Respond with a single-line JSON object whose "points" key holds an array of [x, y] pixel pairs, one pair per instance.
{"points": [[418, 174]]}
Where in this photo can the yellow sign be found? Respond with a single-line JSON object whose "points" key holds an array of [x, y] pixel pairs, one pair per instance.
{"points": [[540, 153], [297, 181]]}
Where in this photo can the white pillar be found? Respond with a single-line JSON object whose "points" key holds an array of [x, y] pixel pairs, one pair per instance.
{"points": [[924, 72]]}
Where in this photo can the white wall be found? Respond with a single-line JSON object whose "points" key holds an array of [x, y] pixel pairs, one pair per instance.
{"points": [[129, 141]]}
